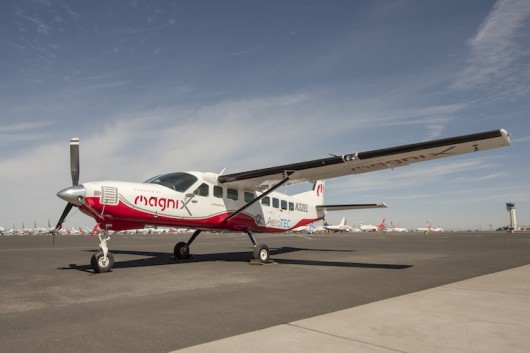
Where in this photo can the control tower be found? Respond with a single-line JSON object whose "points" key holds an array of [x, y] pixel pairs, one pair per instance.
{"points": [[510, 207]]}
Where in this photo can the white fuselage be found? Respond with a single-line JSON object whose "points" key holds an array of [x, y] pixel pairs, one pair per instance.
{"points": [[203, 204]]}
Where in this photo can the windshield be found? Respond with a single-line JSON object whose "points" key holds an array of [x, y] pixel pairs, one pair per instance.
{"points": [[175, 181]]}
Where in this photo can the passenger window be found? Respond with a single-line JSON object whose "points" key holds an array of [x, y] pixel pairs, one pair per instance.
{"points": [[232, 194], [291, 206], [284, 205], [202, 190], [249, 197], [275, 203], [218, 192], [266, 201]]}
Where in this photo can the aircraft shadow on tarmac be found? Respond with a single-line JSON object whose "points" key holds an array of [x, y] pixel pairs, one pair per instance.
{"points": [[165, 258]]}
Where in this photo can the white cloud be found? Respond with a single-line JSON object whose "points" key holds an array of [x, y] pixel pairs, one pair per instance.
{"points": [[498, 55], [520, 139], [22, 127], [24, 132], [415, 177]]}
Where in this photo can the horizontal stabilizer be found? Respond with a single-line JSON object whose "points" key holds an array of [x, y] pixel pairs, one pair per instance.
{"points": [[357, 206]]}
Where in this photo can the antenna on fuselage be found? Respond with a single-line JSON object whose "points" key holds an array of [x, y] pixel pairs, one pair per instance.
{"points": [[222, 171]]}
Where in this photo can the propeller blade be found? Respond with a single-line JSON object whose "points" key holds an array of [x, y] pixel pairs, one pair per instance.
{"points": [[59, 225], [67, 209], [67, 193], [74, 160]]}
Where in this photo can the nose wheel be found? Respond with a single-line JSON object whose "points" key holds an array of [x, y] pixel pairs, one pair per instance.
{"points": [[101, 263], [103, 260]]}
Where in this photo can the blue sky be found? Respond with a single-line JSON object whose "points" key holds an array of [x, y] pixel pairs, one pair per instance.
{"points": [[159, 86]]}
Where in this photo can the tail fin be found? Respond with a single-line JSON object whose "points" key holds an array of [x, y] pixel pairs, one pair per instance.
{"points": [[316, 195], [343, 222], [382, 225]]}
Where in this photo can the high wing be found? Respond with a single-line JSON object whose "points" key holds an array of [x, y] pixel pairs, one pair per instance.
{"points": [[363, 162]]}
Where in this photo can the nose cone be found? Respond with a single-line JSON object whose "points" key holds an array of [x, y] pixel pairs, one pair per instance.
{"points": [[71, 194]]}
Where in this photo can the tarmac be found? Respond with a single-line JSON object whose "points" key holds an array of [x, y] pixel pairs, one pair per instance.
{"points": [[489, 313], [338, 292]]}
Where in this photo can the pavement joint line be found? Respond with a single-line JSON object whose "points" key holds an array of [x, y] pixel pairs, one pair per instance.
{"points": [[483, 290], [345, 338], [497, 322]]}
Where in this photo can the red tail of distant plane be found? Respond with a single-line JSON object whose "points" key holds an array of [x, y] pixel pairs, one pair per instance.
{"points": [[382, 225]]}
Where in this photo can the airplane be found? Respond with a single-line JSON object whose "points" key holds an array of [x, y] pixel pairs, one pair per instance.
{"points": [[84, 231], [342, 227], [304, 229], [310, 229], [243, 201], [39, 230], [396, 229], [429, 228], [371, 227], [13, 231]]}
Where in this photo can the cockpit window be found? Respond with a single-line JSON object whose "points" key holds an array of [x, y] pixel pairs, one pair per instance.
{"points": [[175, 181]]}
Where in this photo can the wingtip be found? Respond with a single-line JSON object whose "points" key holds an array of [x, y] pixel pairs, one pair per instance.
{"points": [[506, 135]]}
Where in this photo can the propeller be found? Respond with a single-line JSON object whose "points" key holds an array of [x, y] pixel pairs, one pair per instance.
{"points": [[74, 160], [73, 192]]}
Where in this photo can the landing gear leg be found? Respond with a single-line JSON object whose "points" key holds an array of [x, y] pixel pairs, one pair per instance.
{"points": [[261, 251], [182, 249], [103, 260]]}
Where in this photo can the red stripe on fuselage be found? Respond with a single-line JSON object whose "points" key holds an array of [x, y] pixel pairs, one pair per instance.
{"points": [[123, 217]]}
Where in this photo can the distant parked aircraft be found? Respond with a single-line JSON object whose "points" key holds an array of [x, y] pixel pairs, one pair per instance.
{"points": [[372, 228], [429, 228], [341, 227], [396, 229]]}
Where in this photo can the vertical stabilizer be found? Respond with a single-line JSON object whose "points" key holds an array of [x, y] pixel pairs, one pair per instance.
{"points": [[316, 195]]}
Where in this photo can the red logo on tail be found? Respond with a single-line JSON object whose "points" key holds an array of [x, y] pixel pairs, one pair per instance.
{"points": [[320, 189]]}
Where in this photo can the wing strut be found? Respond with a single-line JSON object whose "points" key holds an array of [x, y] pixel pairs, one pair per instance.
{"points": [[287, 175]]}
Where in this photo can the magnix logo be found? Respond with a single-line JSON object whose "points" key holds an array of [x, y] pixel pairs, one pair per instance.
{"points": [[161, 202]]}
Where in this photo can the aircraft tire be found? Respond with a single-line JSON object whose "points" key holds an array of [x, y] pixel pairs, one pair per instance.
{"points": [[261, 253], [182, 250], [100, 264]]}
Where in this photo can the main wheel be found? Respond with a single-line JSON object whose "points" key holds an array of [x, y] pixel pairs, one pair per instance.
{"points": [[100, 263], [261, 253], [182, 250]]}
